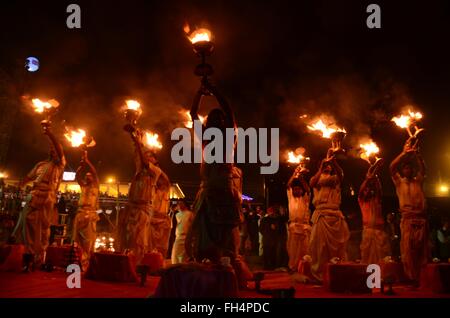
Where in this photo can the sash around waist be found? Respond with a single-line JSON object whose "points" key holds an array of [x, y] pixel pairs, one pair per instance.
{"points": [[326, 212]]}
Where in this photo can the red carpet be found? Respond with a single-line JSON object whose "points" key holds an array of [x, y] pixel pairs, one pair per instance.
{"points": [[53, 285]]}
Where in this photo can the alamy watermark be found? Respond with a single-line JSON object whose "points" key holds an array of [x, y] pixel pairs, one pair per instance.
{"points": [[221, 149]]}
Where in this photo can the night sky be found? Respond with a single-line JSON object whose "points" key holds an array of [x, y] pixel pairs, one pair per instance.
{"points": [[274, 61]]}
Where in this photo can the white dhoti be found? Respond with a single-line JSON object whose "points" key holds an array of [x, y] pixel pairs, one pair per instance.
{"points": [[329, 236], [374, 245]]}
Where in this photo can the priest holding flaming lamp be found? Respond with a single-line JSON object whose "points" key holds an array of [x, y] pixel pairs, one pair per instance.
{"points": [[134, 224], [375, 243], [214, 234], [33, 226], [408, 174], [85, 224], [299, 195], [330, 233]]}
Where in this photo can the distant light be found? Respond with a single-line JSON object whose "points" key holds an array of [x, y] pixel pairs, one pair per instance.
{"points": [[108, 211], [443, 188], [32, 64], [3, 175], [247, 198], [110, 180], [69, 176]]}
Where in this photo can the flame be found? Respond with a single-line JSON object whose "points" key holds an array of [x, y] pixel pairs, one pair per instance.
{"points": [[415, 116], [40, 106], [200, 35], [406, 120], [293, 158], [402, 121], [3, 175], [76, 137], [369, 149], [325, 129], [188, 122], [133, 105], [151, 140]]}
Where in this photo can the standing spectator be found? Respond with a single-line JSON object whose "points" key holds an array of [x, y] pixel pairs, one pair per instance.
{"points": [[184, 219], [253, 220], [260, 214], [273, 230], [173, 210], [443, 241], [243, 230]]}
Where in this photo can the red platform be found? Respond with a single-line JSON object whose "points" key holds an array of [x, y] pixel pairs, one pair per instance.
{"points": [[112, 267], [11, 257], [436, 278], [393, 270], [57, 255], [197, 280], [346, 278]]}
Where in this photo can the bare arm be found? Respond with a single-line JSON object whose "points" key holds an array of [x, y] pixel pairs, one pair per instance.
{"points": [[78, 175], [393, 167], [296, 174], [91, 167], [223, 104], [196, 104], [421, 164], [337, 168], [163, 181], [315, 179], [54, 142]]}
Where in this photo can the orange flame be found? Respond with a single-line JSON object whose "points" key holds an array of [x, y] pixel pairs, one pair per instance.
{"points": [[406, 120], [151, 140], [369, 149], [133, 105], [199, 35], [294, 158], [40, 106], [76, 137], [188, 122], [326, 129]]}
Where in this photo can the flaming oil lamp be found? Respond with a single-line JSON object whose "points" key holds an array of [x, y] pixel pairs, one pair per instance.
{"points": [[79, 139], [407, 120], [47, 108], [132, 111], [369, 152], [203, 47]]}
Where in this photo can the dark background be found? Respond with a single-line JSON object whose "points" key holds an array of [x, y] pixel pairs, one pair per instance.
{"points": [[273, 60]]}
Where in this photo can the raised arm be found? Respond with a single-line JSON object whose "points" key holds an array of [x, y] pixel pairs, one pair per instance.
{"points": [[54, 142], [421, 164], [337, 168], [315, 179], [296, 174], [196, 104], [79, 174], [393, 167], [91, 167], [163, 181], [222, 102]]}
